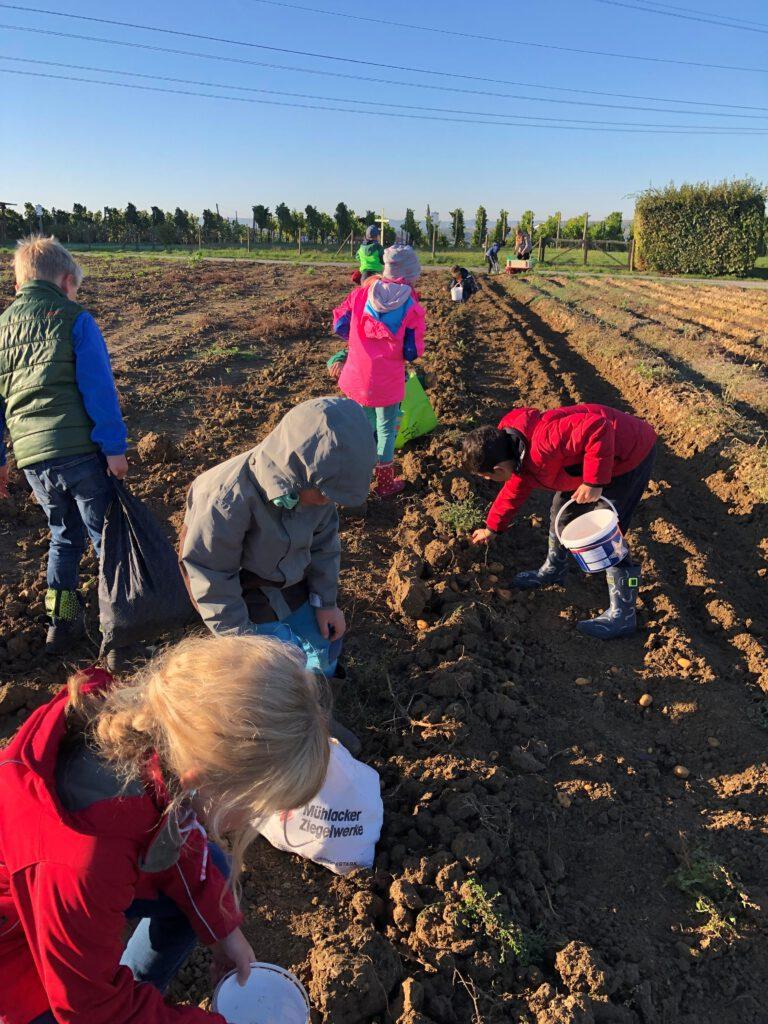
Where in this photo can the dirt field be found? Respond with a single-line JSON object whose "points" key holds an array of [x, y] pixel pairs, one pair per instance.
{"points": [[541, 861]]}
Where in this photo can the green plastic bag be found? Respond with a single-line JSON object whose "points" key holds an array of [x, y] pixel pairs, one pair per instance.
{"points": [[418, 416]]}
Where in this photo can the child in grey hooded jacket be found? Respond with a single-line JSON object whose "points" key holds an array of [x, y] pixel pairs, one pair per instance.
{"points": [[260, 543]]}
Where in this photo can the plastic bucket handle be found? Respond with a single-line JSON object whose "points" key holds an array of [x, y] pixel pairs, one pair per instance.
{"points": [[571, 502]]}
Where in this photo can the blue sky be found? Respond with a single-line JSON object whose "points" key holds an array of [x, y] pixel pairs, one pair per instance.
{"points": [[98, 145]]}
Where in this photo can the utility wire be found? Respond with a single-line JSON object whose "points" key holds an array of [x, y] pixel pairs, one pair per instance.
{"points": [[418, 85], [512, 118], [696, 10], [418, 71], [378, 113], [347, 16], [357, 17], [699, 16]]}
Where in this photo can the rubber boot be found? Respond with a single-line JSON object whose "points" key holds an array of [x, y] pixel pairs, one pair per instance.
{"points": [[65, 610], [552, 571], [345, 736], [620, 619], [387, 485]]}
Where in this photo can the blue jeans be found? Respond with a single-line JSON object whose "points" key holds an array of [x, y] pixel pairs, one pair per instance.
{"points": [[162, 941], [74, 491], [385, 419], [301, 629]]}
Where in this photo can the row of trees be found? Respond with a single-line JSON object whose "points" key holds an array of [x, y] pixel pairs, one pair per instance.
{"points": [[283, 224]]}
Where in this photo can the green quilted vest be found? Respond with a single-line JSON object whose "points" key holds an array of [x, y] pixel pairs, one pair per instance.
{"points": [[44, 409], [369, 257]]}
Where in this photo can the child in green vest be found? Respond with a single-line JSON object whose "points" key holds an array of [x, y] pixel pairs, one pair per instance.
{"points": [[58, 401], [370, 255]]}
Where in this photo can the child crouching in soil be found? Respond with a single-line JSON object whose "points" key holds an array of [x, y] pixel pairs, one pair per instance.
{"points": [[581, 452], [384, 325], [465, 280], [105, 795], [58, 400]]}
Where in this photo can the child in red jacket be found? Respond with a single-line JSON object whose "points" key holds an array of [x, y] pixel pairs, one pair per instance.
{"points": [[102, 795], [581, 452]]}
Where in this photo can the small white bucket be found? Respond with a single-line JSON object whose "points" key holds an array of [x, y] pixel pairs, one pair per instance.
{"points": [[271, 995], [457, 292], [594, 538]]}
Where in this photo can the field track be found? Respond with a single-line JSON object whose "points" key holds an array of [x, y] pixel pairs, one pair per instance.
{"points": [[511, 749]]}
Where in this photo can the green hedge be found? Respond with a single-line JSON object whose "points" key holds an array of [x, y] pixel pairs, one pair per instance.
{"points": [[700, 229]]}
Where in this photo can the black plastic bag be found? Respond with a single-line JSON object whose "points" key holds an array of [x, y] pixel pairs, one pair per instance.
{"points": [[141, 590]]}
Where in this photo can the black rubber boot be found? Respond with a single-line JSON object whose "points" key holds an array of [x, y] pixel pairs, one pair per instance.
{"points": [[553, 570], [620, 619], [67, 628], [345, 736]]}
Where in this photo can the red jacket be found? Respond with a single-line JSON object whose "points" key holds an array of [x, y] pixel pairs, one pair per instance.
{"points": [[567, 447], [66, 879]]}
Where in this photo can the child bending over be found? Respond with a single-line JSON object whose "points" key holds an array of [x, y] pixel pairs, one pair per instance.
{"points": [[461, 276]]}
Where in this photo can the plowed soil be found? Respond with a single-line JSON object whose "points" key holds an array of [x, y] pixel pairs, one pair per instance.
{"points": [[555, 850]]}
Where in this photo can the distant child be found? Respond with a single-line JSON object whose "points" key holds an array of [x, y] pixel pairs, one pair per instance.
{"points": [[461, 276], [106, 794], [492, 257], [370, 255], [58, 400], [384, 325], [581, 452]]}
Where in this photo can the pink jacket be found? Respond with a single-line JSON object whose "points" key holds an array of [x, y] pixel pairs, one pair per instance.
{"points": [[374, 371]]}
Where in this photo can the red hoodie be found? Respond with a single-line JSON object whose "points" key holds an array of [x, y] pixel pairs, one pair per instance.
{"points": [[66, 879], [576, 444]]}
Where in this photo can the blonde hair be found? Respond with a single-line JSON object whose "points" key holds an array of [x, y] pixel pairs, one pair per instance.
{"points": [[243, 712], [39, 258]]}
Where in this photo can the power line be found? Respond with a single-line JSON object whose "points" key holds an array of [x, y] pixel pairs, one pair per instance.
{"points": [[347, 16], [696, 10], [690, 15], [512, 118], [422, 28], [418, 85], [379, 113]]}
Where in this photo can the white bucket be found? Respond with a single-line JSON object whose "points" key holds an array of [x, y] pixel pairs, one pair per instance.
{"points": [[457, 292], [594, 538], [271, 995]]}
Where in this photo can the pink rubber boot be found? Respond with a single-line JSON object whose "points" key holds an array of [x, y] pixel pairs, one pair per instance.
{"points": [[387, 485]]}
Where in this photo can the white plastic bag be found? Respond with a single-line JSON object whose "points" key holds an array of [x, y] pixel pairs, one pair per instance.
{"points": [[340, 827]]}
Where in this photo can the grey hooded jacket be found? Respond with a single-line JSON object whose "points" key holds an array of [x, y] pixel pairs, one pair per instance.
{"points": [[231, 523]]}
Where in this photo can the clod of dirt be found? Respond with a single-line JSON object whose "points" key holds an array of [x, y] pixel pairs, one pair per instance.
{"points": [[472, 850], [410, 467], [582, 969], [353, 975], [449, 877], [564, 1010], [461, 488], [12, 698], [404, 894], [523, 761], [684, 662], [366, 906], [154, 448], [437, 554], [409, 594], [645, 700]]}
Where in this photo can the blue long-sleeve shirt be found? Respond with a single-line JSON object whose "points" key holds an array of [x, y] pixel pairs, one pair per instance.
{"points": [[93, 374]]}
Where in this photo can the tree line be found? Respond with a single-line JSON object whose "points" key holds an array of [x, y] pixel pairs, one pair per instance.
{"points": [[131, 226]]}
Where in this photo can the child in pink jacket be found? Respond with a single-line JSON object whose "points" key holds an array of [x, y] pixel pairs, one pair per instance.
{"points": [[384, 325]]}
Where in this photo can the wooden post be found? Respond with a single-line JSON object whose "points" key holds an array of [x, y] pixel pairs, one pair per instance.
{"points": [[541, 249], [557, 237], [585, 241], [248, 238], [199, 237], [352, 243], [631, 255], [434, 238]]}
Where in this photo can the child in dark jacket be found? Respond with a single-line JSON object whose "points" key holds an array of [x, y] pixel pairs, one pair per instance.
{"points": [[492, 257], [58, 400], [115, 785], [462, 277], [581, 452]]}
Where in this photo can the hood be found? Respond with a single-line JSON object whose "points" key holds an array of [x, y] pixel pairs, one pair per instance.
{"points": [[37, 746], [524, 421], [387, 296], [325, 443]]}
